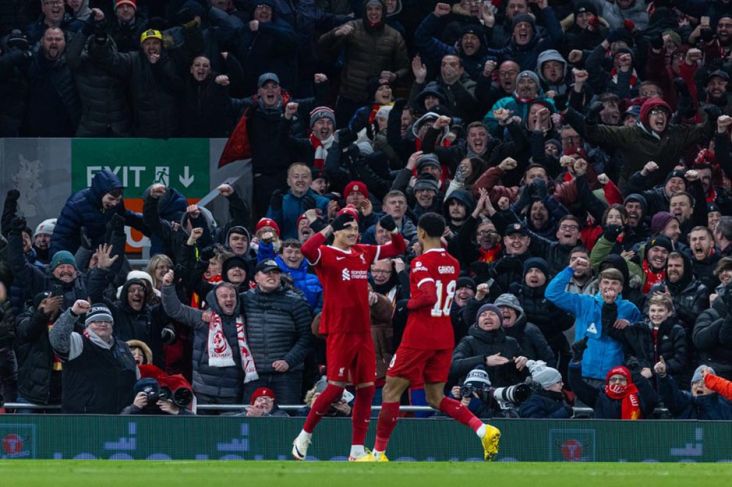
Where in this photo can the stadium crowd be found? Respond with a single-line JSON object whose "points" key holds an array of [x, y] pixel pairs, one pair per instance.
{"points": [[578, 150]]}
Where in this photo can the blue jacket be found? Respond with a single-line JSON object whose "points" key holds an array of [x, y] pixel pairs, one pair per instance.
{"points": [[84, 210], [545, 404], [306, 282], [292, 208], [603, 352]]}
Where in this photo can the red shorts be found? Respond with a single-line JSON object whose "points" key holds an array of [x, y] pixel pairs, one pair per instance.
{"points": [[421, 366], [350, 358]]}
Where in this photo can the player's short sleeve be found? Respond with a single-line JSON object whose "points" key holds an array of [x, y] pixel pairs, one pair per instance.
{"points": [[419, 273]]}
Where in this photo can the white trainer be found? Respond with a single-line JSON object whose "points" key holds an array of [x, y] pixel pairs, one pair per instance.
{"points": [[300, 447]]}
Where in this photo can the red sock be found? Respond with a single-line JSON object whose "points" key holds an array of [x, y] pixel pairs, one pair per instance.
{"points": [[457, 411], [387, 422], [321, 405], [362, 414]]}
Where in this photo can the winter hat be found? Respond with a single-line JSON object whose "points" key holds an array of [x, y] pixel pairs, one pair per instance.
{"points": [[373, 86], [510, 301], [267, 222], [426, 181], [478, 375], [62, 257], [430, 159], [465, 281], [322, 112], [585, 6], [45, 227], [544, 375], [697, 373], [661, 241], [230, 263], [131, 3], [262, 391], [637, 198], [359, 186], [717, 74], [146, 384], [633, 111], [523, 18], [660, 220], [649, 105], [490, 307], [529, 74], [538, 263], [515, 228], [675, 174], [146, 351], [98, 312], [556, 143]]}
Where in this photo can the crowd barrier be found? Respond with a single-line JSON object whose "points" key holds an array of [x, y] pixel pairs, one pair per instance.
{"points": [[433, 439]]}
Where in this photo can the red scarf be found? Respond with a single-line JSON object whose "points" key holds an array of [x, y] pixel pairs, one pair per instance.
{"points": [[320, 152], [490, 255], [632, 81], [652, 277], [628, 394]]}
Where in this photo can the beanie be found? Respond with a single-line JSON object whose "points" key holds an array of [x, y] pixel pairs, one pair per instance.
{"points": [[131, 3], [98, 312], [267, 222], [426, 181], [697, 373], [660, 220], [529, 74], [262, 391], [46, 227], [639, 198], [349, 209], [478, 375], [425, 160], [493, 308], [510, 301], [545, 376], [661, 241], [538, 263], [318, 113], [523, 18], [465, 281], [62, 257], [356, 186]]}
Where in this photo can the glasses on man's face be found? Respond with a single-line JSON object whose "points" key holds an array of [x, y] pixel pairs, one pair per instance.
{"points": [[658, 111], [568, 228]]}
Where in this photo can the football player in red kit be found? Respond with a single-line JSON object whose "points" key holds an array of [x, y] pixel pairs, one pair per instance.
{"points": [[425, 352], [345, 320]]}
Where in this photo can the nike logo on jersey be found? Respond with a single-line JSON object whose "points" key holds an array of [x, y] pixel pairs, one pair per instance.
{"points": [[340, 258]]}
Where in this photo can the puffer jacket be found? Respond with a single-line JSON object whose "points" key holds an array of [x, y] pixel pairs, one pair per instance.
{"points": [[551, 320], [83, 210], [225, 383], [473, 350], [367, 54], [105, 111], [305, 281], [531, 340], [671, 343], [685, 406], [689, 295], [278, 328], [546, 404], [712, 336], [603, 352], [38, 381], [155, 89]]}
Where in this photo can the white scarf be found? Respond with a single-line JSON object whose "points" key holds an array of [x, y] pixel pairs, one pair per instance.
{"points": [[220, 353]]}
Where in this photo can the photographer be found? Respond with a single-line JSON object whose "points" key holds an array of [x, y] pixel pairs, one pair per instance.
{"points": [[153, 398], [549, 400]]}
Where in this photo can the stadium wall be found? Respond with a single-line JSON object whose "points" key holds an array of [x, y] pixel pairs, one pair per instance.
{"points": [[237, 438]]}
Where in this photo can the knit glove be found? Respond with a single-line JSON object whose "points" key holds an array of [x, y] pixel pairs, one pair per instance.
{"points": [[578, 349], [612, 232], [340, 222]]}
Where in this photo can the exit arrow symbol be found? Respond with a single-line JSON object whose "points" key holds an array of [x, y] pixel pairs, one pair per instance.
{"points": [[186, 179]]}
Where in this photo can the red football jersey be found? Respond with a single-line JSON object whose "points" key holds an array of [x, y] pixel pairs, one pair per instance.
{"points": [[344, 276], [430, 327]]}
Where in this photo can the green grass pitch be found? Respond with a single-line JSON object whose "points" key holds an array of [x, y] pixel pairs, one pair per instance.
{"points": [[103, 473]]}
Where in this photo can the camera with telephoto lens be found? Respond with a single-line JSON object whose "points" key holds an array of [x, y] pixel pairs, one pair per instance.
{"points": [[509, 396], [152, 394], [482, 391]]}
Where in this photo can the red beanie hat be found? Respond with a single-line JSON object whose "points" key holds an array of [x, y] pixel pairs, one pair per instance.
{"points": [[349, 209], [649, 105], [131, 3], [359, 186], [262, 391], [267, 222]]}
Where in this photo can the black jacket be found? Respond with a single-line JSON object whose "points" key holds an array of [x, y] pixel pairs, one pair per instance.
{"points": [[37, 380], [54, 107], [278, 328], [546, 404], [685, 406], [712, 336], [474, 348]]}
